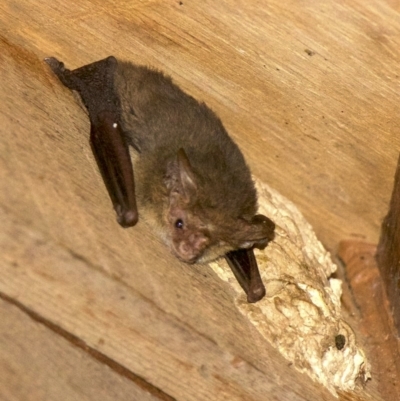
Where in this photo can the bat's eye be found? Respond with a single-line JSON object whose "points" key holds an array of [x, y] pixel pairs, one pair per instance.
{"points": [[179, 223]]}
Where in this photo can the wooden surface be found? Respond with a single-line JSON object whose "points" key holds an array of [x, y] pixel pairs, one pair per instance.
{"points": [[38, 364], [371, 315], [110, 316], [388, 254], [309, 90]]}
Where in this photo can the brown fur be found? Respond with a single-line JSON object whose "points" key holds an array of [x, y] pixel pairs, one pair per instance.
{"points": [[208, 185]]}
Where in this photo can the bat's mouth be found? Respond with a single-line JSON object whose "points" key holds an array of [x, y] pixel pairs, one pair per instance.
{"points": [[187, 258], [190, 247]]}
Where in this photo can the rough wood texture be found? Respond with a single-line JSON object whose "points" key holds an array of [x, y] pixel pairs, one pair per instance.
{"points": [[301, 313], [388, 255], [373, 316], [37, 364], [308, 90], [110, 316]]}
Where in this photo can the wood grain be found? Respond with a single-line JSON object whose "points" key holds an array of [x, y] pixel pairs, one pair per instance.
{"points": [[37, 364], [112, 318], [388, 253], [308, 90]]}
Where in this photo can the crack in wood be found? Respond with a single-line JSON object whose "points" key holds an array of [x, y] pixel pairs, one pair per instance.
{"points": [[97, 355]]}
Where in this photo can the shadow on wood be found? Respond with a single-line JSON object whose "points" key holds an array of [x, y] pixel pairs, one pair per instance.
{"points": [[373, 276], [388, 254]]}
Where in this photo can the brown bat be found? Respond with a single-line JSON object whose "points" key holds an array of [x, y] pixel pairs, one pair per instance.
{"points": [[192, 183]]}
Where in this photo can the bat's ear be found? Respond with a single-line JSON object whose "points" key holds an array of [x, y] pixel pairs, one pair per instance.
{"points": [[181, 179], [257, 233]]}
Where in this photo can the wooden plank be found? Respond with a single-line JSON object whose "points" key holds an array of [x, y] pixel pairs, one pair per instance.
{"points": [[291, 93], [304, 102], [372, 316], [37, 364], [388, 254], [115, 320], [78, 284]]}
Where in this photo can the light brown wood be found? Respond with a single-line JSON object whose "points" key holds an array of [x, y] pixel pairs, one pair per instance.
{"points": [[110, 316], [308, 90], [36, 364]]}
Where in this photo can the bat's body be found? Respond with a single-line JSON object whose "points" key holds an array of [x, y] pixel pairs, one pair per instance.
{"points": [[192, 183]]}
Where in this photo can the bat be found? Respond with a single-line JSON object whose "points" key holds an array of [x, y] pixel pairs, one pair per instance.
{"points": [[188, 179]]}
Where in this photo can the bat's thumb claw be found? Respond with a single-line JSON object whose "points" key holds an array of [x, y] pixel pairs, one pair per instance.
{"points": [[127, 219], [256, 293]]}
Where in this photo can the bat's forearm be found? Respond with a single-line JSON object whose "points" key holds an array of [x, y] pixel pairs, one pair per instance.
{"points": [[95, 84], [114, 162], [244, 266]]}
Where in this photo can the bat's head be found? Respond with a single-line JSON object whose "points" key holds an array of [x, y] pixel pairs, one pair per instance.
{"points": [[198, 233]]}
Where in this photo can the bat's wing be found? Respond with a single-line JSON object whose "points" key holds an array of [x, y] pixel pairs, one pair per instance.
{"points": [[244, 266], [95, 84]]}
